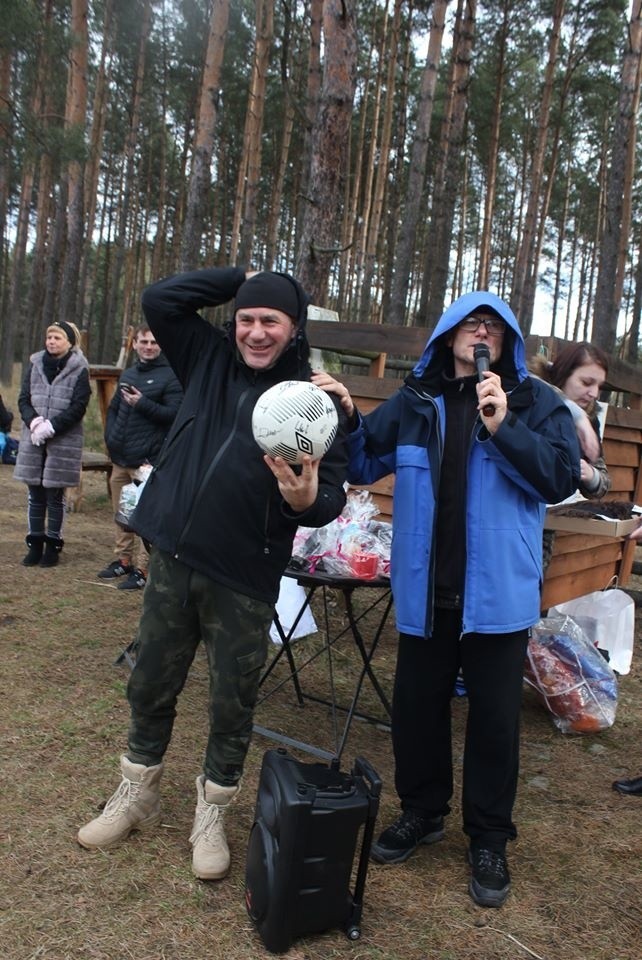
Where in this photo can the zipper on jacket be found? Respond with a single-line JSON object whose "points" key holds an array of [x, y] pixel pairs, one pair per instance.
{"points": [[473, 433], [266, 529]]}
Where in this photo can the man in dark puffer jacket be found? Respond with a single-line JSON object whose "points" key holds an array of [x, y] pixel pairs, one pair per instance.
{"points": [[139, 417]]}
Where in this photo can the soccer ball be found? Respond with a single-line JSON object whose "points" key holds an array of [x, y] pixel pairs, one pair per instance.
{"points": [[294, 418]]}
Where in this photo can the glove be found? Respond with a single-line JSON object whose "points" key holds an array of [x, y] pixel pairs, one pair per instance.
{"points": [[44, 431], [3, 441], [35, 423]]}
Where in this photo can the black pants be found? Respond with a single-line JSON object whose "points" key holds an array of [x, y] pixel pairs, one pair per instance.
{"points": [[493, 668], [46, 511]]}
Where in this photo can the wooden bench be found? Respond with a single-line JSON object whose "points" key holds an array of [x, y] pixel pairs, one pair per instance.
{"points": [[91, 462]]}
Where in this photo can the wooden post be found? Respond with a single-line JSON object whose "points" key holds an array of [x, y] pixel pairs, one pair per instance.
{"points": [[378, 365]]}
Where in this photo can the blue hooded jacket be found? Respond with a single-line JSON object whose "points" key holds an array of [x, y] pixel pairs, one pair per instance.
{"points": [[531, 460]]}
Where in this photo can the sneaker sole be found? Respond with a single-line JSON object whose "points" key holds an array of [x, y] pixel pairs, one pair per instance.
{"points": [[484, 897], [380, 855], [210, 875]]}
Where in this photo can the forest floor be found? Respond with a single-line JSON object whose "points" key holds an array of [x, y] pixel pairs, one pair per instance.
{"points": [[577, 883]]}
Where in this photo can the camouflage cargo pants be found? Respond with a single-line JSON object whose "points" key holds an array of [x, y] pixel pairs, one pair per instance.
{"points": [[181, 607]]}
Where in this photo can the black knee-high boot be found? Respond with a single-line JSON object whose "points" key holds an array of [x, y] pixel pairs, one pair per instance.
{"points": [[36, 543], [52, 552]]}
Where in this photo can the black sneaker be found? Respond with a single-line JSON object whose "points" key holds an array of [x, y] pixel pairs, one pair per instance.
{"points": [[402, 838], [136, 580], [115, 569], [490, 880]]}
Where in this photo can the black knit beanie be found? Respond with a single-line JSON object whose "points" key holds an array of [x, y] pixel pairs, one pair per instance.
{"points": [[268, 289]]}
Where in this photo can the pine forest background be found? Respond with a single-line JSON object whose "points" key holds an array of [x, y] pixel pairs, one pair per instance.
{"points": [[391, 154]]}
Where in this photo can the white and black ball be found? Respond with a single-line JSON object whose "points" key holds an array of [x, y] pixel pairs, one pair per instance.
{"points": [[294, 418]]}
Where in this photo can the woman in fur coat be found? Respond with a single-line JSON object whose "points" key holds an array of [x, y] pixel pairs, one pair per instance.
{"points": [[52, 403]]}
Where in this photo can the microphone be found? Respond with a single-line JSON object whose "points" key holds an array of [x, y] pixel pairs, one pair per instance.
{"points": [[481, 355]]}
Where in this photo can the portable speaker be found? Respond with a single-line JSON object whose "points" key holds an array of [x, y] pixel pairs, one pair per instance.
{"points": [[302, 846]]}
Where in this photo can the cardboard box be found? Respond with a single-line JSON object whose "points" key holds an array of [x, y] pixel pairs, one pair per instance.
{"points": [[594, 526]]}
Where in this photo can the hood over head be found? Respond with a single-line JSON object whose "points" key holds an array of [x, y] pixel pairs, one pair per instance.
{"points": [[512, 362]]}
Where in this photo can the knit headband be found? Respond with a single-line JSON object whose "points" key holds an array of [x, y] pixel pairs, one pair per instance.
{"points": [[67, 330]]}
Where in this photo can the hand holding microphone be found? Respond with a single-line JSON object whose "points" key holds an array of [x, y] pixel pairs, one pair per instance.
{"points": [[481, 356]]}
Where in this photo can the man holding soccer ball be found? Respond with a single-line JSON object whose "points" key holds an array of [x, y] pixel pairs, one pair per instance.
{"points": [[221, 518]]}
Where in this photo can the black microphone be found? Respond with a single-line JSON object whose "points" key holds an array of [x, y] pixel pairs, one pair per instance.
{"points": [[481, 355]]}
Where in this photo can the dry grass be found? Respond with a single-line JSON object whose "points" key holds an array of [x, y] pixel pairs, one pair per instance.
{"points": [[577, 884]]}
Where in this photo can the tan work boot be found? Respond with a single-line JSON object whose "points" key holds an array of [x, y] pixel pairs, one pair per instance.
{"points": [[134, 806], [210, 852]]}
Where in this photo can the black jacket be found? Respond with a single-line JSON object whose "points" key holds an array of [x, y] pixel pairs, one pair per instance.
{"points": [[135, 434], [211, 501]]}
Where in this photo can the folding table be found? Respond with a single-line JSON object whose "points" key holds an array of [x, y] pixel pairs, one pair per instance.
{"points": [[375, 614]]}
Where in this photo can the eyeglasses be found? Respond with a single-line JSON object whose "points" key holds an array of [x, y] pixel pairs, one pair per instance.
{"points": [[494, 326]]}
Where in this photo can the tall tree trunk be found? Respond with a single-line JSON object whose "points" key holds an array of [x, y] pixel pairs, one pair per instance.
{"points": [[349, 258], [35, 295], [197, 195], [159, 247], [370, 161], [559, 257], [525, 266], [6, 137], [313, 92], [483, 270], [449, 169], [417, 173], [396, 186], [374, 227], [75, 118], [608, 293], [128, 183], [13, 305], [92, 168], [274, 213], [633, 349], [55, 256], [322, 217], [248, 190], [17, 278]]}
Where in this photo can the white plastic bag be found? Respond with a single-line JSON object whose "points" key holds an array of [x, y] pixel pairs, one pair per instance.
{"points": [[130, 495], [608, 619], [291, 599]]}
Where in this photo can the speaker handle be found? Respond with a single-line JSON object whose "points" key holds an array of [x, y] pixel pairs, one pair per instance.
{"points": [[364, 768]]}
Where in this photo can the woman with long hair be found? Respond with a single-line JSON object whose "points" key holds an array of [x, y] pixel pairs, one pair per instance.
{"points": [[579, 371]]}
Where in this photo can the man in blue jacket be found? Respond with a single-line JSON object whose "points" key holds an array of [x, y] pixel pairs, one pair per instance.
{"points": [[475, 463], [221, 518]]}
